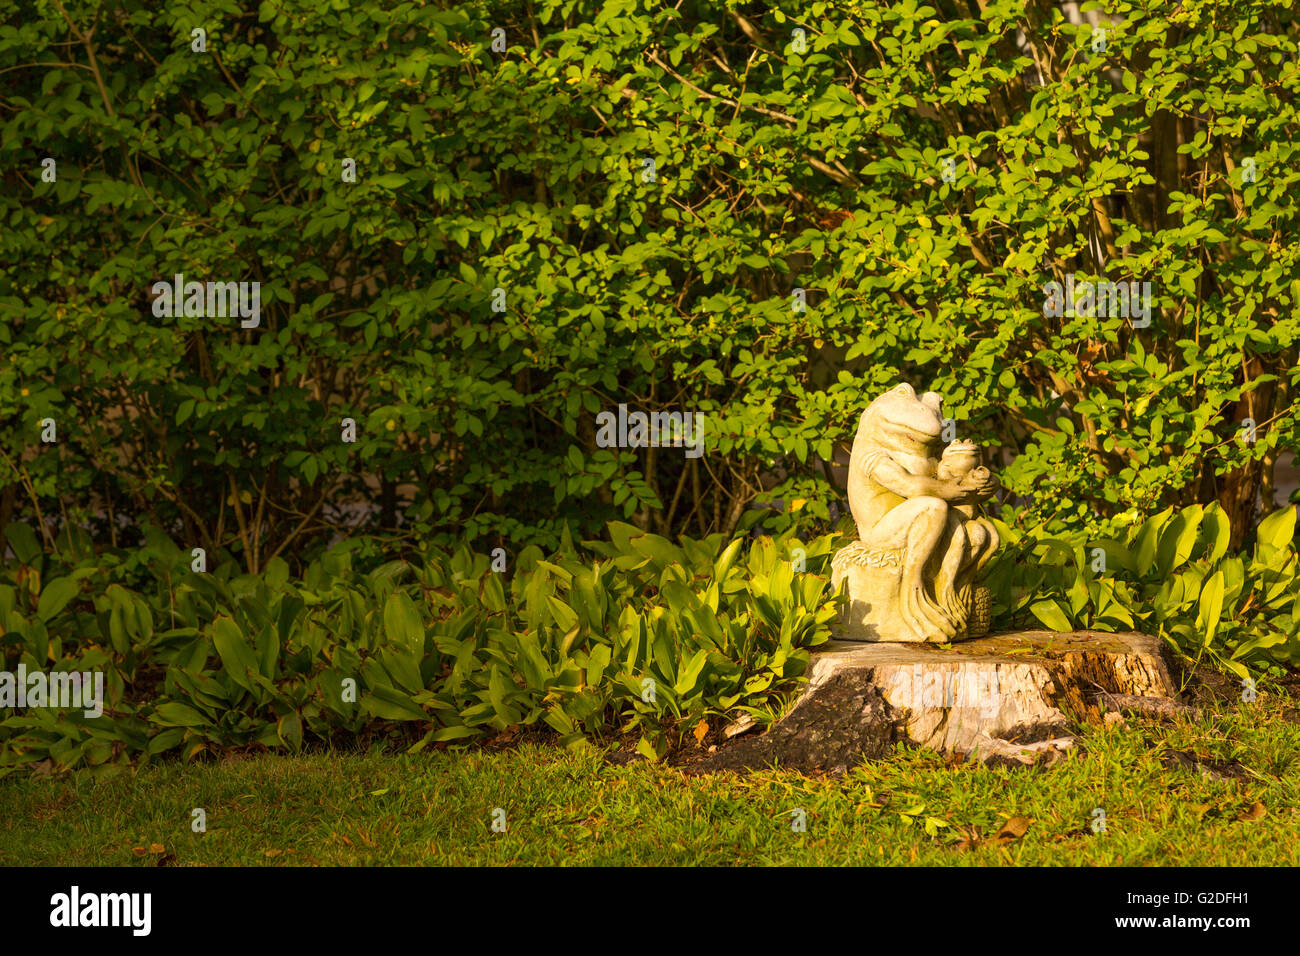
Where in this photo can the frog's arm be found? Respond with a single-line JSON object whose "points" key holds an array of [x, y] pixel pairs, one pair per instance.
{"points": [[894, 477]]}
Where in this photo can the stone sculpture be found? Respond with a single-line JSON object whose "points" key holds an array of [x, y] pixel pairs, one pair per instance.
{"points": [[923, 538]]}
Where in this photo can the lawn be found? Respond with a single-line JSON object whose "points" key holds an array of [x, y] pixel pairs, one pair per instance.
{"points": [[1218, 790]]}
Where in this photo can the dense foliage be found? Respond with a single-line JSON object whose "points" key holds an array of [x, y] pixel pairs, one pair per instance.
{"points": [[648, 185], [475, 228], [1172, 576], [634, 634]]}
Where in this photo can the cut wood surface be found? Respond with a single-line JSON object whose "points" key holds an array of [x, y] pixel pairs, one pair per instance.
{"points": [[1013, 697]]}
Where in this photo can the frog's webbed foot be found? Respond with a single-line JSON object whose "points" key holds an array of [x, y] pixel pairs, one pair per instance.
{"points": [[921, 610]]}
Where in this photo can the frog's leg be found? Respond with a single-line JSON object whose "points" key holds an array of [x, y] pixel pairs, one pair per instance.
{"points": [[948, 583], [982, 541], [918, 526]]}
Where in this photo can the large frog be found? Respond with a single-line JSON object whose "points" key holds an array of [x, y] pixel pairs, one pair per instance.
{"points": [[909, 518]]}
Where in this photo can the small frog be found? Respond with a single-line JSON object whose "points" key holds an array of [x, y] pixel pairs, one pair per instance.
{"points": [[960, 459]]}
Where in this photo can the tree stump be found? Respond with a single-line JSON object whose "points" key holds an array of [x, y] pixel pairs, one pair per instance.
{"points": [[1007, 697]]}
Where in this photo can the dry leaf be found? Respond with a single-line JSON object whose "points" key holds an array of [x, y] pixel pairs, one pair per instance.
{"points": [[157, 848], [1012, 830], [271, 853], [741, 725], [970, 840], [1256, 812], [834, 218], [139, 850], [701, 731]]}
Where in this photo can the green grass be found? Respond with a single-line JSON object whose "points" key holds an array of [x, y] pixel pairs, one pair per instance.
{"points": [[574, 808]]}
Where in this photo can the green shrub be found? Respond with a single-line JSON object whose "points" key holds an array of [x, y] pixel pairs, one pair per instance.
{"points": [[777, 168]]}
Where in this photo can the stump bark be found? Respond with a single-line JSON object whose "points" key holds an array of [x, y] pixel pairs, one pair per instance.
{"points": [[1007, 697]]}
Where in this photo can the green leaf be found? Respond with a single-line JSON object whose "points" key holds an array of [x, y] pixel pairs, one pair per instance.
{"points": [[597, 663], [690, 674], [1052, 615], [1278, 529], [1147, 540], [1211, 608], [236, 653], [23, 540], [565, 617], [727, 559], [1177, 541], [289, 730], [455, 732], [391, 704], [175, 714], [652, 746], [402, 621], [55, 597], [1216, 532]]}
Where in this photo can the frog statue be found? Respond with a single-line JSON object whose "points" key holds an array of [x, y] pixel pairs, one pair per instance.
{"points": [[923, 538]]}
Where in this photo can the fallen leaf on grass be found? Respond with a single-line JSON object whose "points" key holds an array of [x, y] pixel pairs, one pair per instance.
{"points": [[1255, 812], [1012, 830]]}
